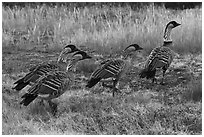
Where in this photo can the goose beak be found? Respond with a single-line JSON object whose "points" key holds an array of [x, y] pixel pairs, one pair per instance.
{"points": [[140, 48], [178, 24], [88, 57]]}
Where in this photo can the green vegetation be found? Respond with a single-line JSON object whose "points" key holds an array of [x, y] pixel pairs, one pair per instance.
{"points": [[31, 36]]}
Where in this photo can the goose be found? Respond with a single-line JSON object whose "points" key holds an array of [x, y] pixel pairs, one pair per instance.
{"points": [[160, 57], [52, 85], [44, 68], [113, 68]]}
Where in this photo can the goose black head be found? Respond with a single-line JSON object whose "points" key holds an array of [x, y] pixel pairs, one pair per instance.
{"points": [[71, 48], [81, 55], [76, 57], [133, 47], [67, 50], [167, 32], [130, 50], [172, 24]]}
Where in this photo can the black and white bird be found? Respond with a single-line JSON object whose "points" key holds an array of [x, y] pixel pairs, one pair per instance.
{"points": [[52, 85], [44, 68], [160, 57], [113, 69]]}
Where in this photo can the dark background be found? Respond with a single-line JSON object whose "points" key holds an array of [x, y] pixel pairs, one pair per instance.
{"points": [[133, 5]]}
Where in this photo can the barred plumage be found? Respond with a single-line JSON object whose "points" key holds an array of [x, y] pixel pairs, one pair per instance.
{"points": [[160, 57], [112, 68], [34, 74], [78, 56], [50, 86], [44, 68]]}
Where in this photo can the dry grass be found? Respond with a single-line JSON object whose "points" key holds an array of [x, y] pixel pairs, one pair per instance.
{"points": [[100, 28], [146, 109], [194, 90], [78, 113]]}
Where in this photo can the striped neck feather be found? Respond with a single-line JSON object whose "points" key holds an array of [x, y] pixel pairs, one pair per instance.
{"points": [[167, 43], [167, 34]]}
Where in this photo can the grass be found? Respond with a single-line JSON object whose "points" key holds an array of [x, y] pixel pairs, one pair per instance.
{"points": [[137, 113], [100, 28], [194, 90], [31, 36], [145, 109]]}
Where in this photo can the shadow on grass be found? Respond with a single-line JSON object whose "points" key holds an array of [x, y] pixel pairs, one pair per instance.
{"points": [[193, 91]]}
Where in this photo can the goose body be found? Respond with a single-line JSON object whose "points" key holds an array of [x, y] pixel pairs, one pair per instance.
{"points": [[160, 57], [51, 86], [113, 69], [43, 69]]}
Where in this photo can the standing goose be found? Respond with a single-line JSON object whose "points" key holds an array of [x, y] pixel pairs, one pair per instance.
{"points": [[113, 68], [52, 85], [160, 57], [44, 68]]}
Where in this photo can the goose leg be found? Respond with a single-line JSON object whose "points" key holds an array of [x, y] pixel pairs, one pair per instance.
{"points": [[114, 86], [164, 70], [53, 107], [106, 85], [154, 79]]}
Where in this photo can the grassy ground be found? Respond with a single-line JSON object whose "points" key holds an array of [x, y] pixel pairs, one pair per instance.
{"points": [[141, 108]]}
